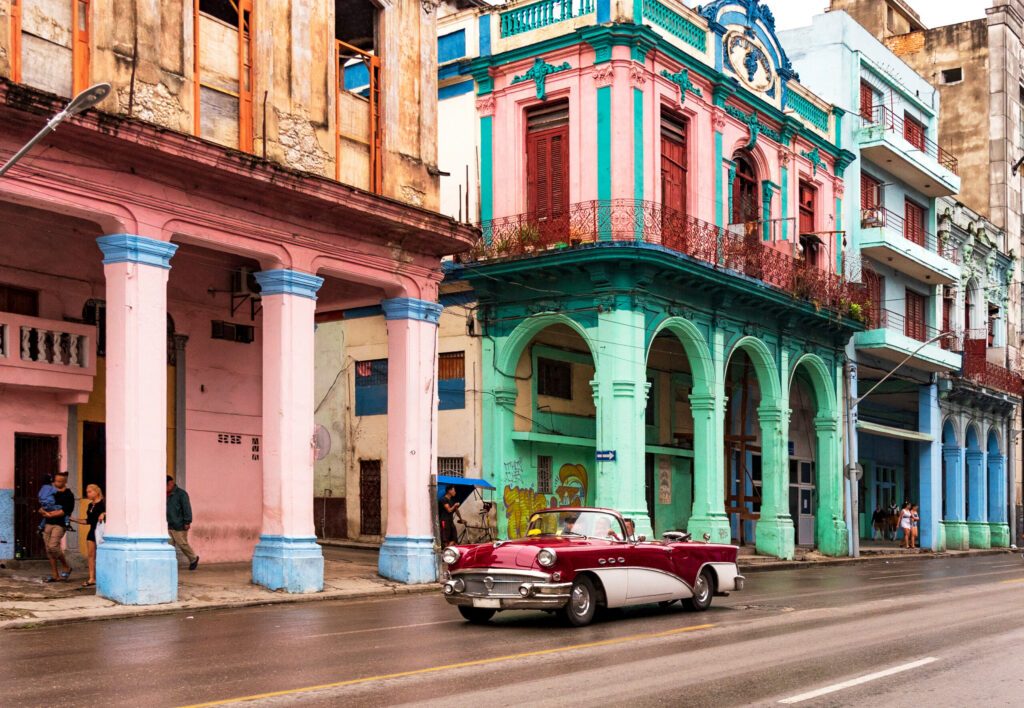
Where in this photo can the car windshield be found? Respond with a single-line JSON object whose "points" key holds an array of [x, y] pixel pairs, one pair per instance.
{"points": [[569, 522]]}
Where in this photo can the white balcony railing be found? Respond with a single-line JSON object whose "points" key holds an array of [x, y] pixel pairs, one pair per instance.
{"points": [[47, 354]]}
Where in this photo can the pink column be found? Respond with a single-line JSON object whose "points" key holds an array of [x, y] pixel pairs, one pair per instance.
{"points": [[287, 556], [135, 564], [407, 554]]}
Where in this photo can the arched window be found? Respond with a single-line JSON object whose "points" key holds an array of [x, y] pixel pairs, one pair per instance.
{"points": [[744, 191]]}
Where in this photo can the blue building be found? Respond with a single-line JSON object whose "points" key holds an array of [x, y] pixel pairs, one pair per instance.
{"points": [[932, 305]]}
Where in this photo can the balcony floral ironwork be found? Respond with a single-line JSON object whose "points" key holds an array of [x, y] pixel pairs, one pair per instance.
{"points": [[739, 248], [882, 218], [913, 133], [977, 368]]}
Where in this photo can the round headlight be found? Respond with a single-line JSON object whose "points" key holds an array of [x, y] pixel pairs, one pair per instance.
{"points": [[448, 589], [547, 557], [450, 555]]}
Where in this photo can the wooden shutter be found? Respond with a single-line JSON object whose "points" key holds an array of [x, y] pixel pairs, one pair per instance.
{"points": [[914, 318], [547, 160], [807, 198], [913, 224], [947, 319], [867, 101], [673, 163], [913, 132], [869, 192]]}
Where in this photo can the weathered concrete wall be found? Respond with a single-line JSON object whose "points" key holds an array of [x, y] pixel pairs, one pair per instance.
{"points": [[146, 50], [881, 19]]}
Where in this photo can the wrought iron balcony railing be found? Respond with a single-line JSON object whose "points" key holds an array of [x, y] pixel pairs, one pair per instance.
{"points": [[738, 249], [914, 134], [980, 370], [880, 217], [916, 329]]}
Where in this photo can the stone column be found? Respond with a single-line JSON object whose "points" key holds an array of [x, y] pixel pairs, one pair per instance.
{"points": [[135, 565], [709, 515], [954, 524], [498, 418], [407, 554], [999, 529], [774, 531], [287, 556], [831, 535], [977, 506], [930, 467], [620, 395]]}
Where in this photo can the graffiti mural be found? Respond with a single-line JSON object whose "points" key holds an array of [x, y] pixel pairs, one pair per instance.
{"points": [[572, 487], [520, 504], [521, 501]]}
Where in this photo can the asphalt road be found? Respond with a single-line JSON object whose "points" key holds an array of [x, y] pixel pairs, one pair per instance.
{"points": [[943, 632]]}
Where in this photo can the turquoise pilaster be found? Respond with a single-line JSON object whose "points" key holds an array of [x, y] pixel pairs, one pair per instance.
{"points": [[486, 176], [929, 465], [954, 523], [775, 534], [977, 503], [999, 529], [604, 155]]}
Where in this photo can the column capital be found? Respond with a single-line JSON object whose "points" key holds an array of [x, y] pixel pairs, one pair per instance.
{"points": [[975, 455], [127, 248], [506, 397], [282, 281], [826, 424], [410, 308], [702, 401]]}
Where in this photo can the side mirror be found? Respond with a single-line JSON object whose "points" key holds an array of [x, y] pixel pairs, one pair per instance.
{"points": [[641, 539]]}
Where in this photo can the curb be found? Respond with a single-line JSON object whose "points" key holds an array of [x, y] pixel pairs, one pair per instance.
{"points": [[158, 610], [896, 557]]}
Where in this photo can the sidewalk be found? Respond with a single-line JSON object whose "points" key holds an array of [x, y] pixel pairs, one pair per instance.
{"points": [[25, 600], [869, 552]]}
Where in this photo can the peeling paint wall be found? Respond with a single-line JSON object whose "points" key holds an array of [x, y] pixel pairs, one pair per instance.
{"points": [[146, 50]]}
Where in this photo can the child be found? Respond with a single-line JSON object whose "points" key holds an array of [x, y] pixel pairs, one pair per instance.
{"points": [[48, 502]]}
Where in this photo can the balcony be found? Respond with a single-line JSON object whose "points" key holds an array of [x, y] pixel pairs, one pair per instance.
{"points": [[47, 355], [889, 238], [901, 148], [740, 248], [893, 337], [978, 369]]}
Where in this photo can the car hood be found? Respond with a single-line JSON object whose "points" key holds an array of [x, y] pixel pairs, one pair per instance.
{"points": [[520, 553]]}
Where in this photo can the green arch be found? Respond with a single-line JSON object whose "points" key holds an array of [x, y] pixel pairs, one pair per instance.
{"points": [[821, 383], [526, 330], [698, 353], [764, 367]]}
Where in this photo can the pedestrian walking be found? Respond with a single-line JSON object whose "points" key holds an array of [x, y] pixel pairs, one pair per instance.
{"points": [[179, 521], [878, 523], [55, 525], [446, 510], [95, 514], [905, 522], [915, 523]]}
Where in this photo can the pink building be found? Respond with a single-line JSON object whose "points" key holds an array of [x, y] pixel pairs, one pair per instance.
{"points": [[158, 291]]}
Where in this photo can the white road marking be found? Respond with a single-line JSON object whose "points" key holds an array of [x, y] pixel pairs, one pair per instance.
{"points": [[896, 575], [382, 629], [858, 681], [1008, 565]]}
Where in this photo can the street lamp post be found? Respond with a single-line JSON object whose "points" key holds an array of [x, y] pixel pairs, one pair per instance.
{"points": [[86, 99], [852, 465]]}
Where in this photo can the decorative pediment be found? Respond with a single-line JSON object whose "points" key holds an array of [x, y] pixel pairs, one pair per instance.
{"points": [[538, 73]]}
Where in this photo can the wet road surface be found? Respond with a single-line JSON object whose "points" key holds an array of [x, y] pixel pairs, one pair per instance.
{"points": [[922, 632]]}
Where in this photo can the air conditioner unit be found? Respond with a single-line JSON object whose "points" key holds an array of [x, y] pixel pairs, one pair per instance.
{"points": [[243, 282], [871, 219], [948, 292]]}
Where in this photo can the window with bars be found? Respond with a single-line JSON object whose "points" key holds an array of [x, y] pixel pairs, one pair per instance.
{"points": [[451, 466], [544, 464], [451, 386], [372, 387], [554, 378]]}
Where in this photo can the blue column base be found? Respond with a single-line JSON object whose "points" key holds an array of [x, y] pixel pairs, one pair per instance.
{"points": [[408, 559], [136, 571], [291, 563]]}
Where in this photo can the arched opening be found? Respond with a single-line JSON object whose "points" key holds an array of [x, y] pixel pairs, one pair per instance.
{"points": [[950, 453], [745, 206], [997, 494], [669, 425], [545, 422], [973, 476], [802, 462]]}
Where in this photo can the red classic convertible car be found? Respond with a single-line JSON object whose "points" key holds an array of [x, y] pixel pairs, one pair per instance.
{"points": [[574, 560]]}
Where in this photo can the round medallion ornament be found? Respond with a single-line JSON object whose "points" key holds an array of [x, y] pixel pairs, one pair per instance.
{"points": [[749, 60]]}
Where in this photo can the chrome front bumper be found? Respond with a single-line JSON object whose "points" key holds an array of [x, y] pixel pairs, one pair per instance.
{"points": [[509, 592]]}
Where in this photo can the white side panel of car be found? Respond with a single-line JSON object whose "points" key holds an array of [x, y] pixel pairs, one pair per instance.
{"points": [[615, 581], [726, 573], [646, 585]]}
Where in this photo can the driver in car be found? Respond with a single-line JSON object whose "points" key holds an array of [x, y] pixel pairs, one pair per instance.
{"points": [[567, 525]]}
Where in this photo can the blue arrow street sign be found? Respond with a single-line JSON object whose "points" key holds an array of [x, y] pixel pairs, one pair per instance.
{"points": [[606, 455]]}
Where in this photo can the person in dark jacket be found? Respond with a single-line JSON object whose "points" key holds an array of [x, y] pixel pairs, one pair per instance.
{"points": [[179, 521]]}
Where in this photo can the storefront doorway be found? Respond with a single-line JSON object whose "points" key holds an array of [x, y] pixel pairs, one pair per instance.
{"points": [[36, 459]]}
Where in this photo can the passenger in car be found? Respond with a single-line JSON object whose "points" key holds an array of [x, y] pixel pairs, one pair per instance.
{"points": [[603, 529]]}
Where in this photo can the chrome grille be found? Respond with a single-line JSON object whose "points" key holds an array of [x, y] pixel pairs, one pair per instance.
{"points": [[502, 585]]}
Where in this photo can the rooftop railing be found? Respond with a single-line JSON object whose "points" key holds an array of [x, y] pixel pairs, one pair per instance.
{"points": [[913, 133], [528, 17], [737, 248], [880, 217]]}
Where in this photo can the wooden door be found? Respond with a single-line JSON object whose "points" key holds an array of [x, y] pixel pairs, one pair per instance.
{"points": [[913, 222], [36, 459], [369, 498], [94, 455], [745, 208], [867, 101], [913, 132], [870, 193], [673, 164], [876, 290]]}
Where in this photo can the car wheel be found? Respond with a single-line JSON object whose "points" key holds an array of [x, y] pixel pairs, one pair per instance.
{"points": [[476, 615], [582, 605], [703, 591]]}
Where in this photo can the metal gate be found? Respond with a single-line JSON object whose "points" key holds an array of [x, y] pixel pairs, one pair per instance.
{"points": [[36, 458], [369, 498]]}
